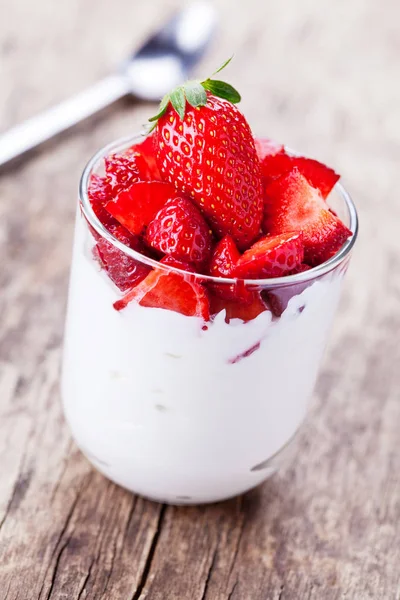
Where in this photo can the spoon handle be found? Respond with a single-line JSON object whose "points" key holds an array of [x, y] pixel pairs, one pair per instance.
{"points": [[42, 127]]}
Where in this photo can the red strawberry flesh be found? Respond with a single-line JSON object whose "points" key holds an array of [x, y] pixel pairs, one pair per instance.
{"points": [[292, 204], [171, 261], [179, 229], [272, 256], [278, 299], [317, 174], [224, 258], [170, 291], [202, 174], [146, 158], [238, 310], [122, 269], [223, 262], [137, 163], [121, 171], [135, 207], [99, 191], [266, 147]]}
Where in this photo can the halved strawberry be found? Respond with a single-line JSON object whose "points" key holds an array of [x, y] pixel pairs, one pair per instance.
{"points": [[123, 270], [317, 174], [238, 310], [170, 291], [266, 147], [135, 207], [223, 262], [272, 256], [179, 229], [292, 204]]}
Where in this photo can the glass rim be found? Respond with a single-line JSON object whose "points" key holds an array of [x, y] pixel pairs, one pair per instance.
{"points": [[272, 282]]}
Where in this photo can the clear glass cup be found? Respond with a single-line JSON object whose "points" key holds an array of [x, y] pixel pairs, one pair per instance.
{"points": [[183, 411]]}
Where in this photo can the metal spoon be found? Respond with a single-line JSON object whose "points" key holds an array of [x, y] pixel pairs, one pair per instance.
{"points": [[162, 63]]}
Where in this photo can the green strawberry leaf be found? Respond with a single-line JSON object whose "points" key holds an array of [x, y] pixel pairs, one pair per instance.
{"points": [[195, 93], [222, 90], [225, 64], [178, 101], [150, 127], [161, 109]]}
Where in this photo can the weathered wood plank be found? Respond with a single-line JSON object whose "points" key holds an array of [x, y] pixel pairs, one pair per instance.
{"points": [[323, 77]]}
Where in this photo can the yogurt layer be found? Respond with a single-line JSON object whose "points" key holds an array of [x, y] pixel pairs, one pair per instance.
{"points": [[182, 413]]}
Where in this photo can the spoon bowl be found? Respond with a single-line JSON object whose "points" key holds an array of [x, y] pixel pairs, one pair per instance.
{"points": [[167, 58], [160, 65]]}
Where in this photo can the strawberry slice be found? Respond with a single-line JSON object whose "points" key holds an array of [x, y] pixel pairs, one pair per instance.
{"points": [[317, 174], [123, 270], [99, 191], [223, 262], [137, 163], [278, 299], [146, 159], [121, 171], [135, 207], [275, 165], [272, 256], [266, 147], [102, 189], [177, 264], [238, 310], [170, 291], [292, 204], [224, 258], [179, 229]]}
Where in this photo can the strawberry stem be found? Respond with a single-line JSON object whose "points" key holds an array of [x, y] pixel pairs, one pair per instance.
{"points": [[194, 92]]}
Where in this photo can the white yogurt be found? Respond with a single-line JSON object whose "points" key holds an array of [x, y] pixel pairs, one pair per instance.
{"points": [[161, 407]]}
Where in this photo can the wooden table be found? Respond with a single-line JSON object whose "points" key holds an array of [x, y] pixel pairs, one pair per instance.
{"points": [[323, 77]]}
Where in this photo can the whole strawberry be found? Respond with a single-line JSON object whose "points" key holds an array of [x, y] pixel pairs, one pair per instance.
{"points": [[206, 149]]}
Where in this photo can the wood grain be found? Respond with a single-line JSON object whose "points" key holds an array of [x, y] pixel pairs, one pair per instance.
{"points": [[324, 78]]}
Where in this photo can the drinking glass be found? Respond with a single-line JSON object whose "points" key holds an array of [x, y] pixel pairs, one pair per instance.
{"points": [[182, 410]]}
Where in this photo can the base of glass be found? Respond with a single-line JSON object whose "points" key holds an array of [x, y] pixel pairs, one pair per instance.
{"points": [[225, 489]]}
